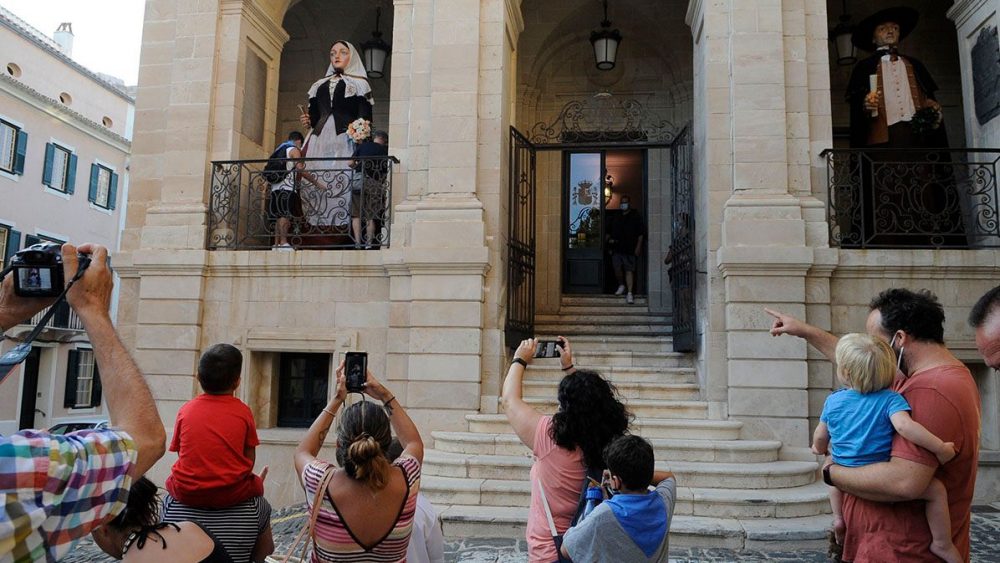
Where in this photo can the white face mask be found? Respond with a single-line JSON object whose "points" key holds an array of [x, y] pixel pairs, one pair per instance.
{"points": [[624, 207]]}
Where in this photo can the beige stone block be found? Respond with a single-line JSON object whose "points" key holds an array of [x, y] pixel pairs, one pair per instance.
{"points": [[446, 313], [758, 97], [169, 312], [443, 367], [361, 314], [765, 289], [445, 341], [766, 177], [768, 402], [171, 387], [756, 123], [157, 337], [761, 345], [761, 149], [776, 374], [171, 287], [763, 233], [751, 316], [449, 395]]}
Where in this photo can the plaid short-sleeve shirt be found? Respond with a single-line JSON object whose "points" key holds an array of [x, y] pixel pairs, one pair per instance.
{"points": [[55, 490]]}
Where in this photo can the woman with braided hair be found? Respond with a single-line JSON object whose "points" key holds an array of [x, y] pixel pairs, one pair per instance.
{"points": [[367, 509]]}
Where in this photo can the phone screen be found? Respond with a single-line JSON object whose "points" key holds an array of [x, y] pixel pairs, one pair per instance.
{"points": [[547, 349], [355, 370]]}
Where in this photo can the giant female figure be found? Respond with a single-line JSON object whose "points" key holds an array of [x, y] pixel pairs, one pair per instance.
{"points": [[335, 101]]}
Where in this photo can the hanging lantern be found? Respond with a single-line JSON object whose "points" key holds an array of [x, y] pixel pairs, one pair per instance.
{"points": [[375, 50], [605, 43], [841, 37]]}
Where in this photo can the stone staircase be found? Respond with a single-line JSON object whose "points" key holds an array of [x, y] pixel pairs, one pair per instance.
{"points": [[732, 493]]}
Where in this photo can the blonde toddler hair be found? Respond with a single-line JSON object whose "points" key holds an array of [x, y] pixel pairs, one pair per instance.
{"points": [[866, 363]]}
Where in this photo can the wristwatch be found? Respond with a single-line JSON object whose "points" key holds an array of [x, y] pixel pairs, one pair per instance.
{"points": [[826, 475]]}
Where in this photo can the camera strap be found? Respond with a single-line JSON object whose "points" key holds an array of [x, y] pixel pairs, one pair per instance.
{"points": [[17, 354]]}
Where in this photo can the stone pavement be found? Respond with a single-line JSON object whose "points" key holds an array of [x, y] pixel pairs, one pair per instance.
{"points": [[287, 522]]}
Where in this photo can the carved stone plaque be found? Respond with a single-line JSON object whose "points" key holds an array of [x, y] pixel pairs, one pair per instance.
{"points": [[986, 74]]}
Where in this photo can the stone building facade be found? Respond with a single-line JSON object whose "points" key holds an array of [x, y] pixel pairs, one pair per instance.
{"points": [[64, 154], [752, 82]]}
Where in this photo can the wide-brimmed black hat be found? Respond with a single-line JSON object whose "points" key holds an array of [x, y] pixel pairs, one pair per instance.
{"points": [[903, 16]]}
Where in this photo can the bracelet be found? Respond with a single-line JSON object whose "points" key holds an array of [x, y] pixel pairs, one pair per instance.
{"points": [[568, 367], [391, 399], [329, 412], [519, 361]]}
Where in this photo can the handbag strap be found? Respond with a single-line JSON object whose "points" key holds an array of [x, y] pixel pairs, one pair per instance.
{"points": [[548, 511], [313, 515]]}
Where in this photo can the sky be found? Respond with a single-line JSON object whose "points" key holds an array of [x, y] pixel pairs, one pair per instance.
{"points": [[107, 33]]}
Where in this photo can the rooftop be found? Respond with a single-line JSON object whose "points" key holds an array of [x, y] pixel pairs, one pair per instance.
{"points": [[24, 29]]}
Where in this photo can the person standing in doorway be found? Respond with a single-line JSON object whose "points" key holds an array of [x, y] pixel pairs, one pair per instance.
{"points": [[625, 237]]}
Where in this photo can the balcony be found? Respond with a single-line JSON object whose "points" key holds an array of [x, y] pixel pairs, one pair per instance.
{"points": [[338, 203], [913, 198], [62, 327]]}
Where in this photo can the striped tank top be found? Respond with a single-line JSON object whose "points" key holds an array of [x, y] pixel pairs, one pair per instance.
{"points": [[335, 543]]}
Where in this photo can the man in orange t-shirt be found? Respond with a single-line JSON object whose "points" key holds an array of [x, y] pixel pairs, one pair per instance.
{"points": [[882, 523]]}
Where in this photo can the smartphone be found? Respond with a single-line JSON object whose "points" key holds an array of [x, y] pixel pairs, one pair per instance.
{"points": [[356, 370], [548, 349]]}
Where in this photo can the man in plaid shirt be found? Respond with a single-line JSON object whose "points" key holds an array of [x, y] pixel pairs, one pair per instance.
{"points": [[56, 489]]}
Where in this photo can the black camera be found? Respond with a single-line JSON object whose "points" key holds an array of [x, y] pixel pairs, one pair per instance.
{"points": [[38, 270]]}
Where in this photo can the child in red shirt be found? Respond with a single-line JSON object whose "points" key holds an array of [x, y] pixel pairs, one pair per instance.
{"points": [[215, 437]]}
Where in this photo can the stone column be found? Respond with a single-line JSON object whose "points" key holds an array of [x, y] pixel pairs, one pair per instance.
{"points": [[976, 20], [439, 260], [189, 110], [755, 74]]}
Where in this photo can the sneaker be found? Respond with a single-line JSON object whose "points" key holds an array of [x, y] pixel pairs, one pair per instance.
{"points": [[629, 299], [621, 290], [285, 247]]}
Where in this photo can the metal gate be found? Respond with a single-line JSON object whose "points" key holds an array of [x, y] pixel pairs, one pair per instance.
{"points": [[682, 256], [520, 322]]}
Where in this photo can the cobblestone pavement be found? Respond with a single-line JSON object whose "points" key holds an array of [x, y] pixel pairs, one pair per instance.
{"points": [[287, 523]]}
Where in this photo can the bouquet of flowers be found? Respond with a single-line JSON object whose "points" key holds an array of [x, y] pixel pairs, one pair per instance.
{"points": [[925, 120], [359, 129]]}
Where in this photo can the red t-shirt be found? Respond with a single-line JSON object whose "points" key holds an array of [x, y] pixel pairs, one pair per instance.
{"points": [[212, 470], [946, 401]]}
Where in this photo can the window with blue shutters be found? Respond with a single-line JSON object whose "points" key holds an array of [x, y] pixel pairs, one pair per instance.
{"points": [[103, 186], [83, 381], [13, 147], [59, 171], [10, 242]]}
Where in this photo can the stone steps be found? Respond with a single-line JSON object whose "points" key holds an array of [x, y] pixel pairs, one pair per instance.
{"points": [[673, 449], [546, 370], [626, 389], [603, 318], [794, 502], [601, 301], [685, 531], [597, 344], [646, 408], [765, 475], [692, 429], [624, 329]]}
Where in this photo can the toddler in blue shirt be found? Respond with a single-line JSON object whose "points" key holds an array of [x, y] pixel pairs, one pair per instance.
{"points": [[857, 428]]}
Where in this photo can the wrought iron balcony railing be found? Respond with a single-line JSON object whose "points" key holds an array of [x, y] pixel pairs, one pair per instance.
{"points": [[338, 203], [913, 198], [65, 318]]}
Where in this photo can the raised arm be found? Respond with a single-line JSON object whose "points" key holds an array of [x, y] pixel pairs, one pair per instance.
{"points": [[921, 436], [130, 402], [521, 415], [311, 443], [820, 339], [402, 425], [661, 476]]}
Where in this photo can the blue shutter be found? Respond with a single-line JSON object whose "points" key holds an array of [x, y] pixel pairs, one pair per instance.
{"points": [[71, 174], [95, 173], [72, 371], [20, 149], [13, 245], [50, 151], [113, 191]]}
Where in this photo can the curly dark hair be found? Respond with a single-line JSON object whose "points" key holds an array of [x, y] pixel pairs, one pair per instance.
{"points": [[590, 415], [918, 313]]}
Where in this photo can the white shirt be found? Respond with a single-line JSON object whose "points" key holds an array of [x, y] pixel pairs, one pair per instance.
{"points": [[427, 540], [896, 90]]}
